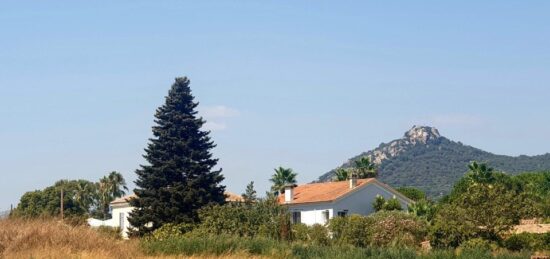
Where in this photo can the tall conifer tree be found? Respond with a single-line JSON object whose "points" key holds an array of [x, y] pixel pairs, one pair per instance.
{"points": [[179, 178]]}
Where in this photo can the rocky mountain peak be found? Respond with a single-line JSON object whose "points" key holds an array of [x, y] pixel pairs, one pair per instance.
{"points": [[421, 134]]}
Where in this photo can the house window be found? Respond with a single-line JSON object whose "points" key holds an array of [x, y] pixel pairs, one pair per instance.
{"points": [[342, 213], [121, 220], [326, 215], [296, 217]]}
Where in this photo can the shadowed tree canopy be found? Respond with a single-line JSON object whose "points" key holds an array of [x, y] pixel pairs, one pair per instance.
{"points": [[179, 178]]}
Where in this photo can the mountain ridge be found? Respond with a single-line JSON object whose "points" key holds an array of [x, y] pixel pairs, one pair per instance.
{"points": [[425, 159]]}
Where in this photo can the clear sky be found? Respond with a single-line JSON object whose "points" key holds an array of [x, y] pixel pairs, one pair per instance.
{"points": [[302, 84]]}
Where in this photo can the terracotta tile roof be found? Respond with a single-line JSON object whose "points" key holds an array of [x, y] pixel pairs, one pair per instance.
{"points": [[124, 199], [323, 192]]}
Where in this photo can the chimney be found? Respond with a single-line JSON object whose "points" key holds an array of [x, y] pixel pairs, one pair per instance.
{"points": [[353, 181], [289, 193]]}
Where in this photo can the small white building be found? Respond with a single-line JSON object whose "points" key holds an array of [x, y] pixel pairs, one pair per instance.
{"points": [[120, 210], [317, 203]]}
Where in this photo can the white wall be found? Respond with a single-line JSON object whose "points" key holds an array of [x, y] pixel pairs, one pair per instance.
{"points": [[313, 213], [125, 212], [358, 202]]}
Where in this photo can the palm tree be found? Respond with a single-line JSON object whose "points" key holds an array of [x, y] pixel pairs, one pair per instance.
{"points": [[481, 173], [365, 168], [282, 177], [341, 174], [84, 194], [117, 185], [109, 188], [103, 193]]}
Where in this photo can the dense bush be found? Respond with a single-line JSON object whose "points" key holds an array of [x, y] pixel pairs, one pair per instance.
{"points": [[382, 229], [352, 230], [397, 229], [380, 204], [528, 241], [316, 234], [168, 231], [264, 218], [476, 244], [263, 247]]}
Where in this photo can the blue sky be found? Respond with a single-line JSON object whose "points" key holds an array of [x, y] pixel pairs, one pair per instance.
{"points": [[302, 84]]}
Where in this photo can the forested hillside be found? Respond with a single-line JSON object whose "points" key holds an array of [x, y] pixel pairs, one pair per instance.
{"points": [[425, 159]]}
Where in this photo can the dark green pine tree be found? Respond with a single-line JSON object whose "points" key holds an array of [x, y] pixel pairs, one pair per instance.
{"points": [[179, 178]]}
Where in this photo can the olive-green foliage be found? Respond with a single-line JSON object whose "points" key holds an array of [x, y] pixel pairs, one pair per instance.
{"points": [[351, 230], [528, 241], [448, 229], [392, 204], [483, 204], [81, 198], [397, 229], [412, 193], [263, 247], [300, 232], [47, 202], [316, 234], [380, 204], [476, 244], [423, 208], [365, 168], [382, 229], [170, 230], [537, 186], [485, 211], [249, 196], [263, 218]]}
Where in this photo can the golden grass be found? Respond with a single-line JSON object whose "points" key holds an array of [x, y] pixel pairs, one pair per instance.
{"points": [[50, 238]]}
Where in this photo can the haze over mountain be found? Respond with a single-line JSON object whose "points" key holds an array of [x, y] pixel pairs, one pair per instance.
{"points": [[424, 159]]}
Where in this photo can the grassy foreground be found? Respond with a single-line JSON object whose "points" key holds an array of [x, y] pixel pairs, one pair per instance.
{"points": [[274, 249], [48, 238]]}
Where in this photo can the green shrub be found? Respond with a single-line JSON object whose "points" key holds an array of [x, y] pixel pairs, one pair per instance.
{"points": [[393, 204], [300, 232], [172, 231], [352, 230], [378, 203], [265, 218], [318, 235], [476, 244], [382, 229], [528, 241], [397, 229], [263, 247]]}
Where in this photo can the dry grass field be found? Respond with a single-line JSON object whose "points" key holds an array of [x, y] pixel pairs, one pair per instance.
{"points": [[49, 238]]}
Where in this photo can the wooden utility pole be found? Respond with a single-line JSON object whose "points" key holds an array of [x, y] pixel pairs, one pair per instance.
{"points": [[61, 204]]}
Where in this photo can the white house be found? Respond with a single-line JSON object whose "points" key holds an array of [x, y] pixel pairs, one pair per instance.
{"points": [[316, 203], [120, 210]]}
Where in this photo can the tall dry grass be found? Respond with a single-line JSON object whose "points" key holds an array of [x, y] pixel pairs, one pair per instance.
{"points": [[50, 238]]}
